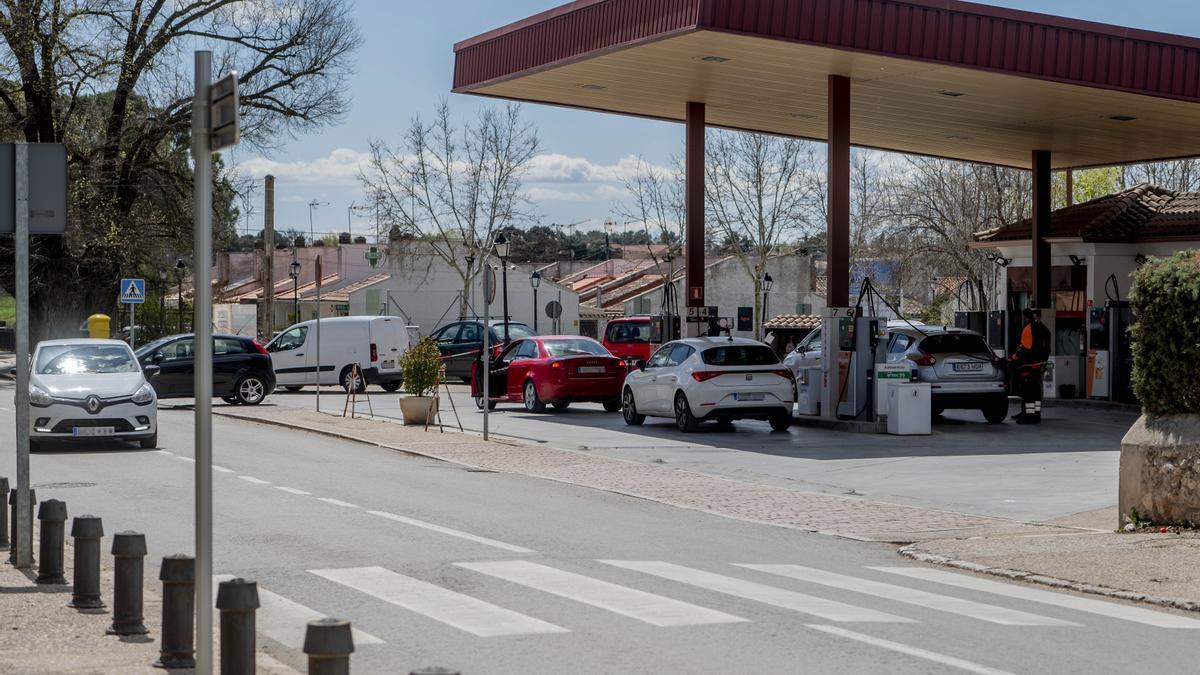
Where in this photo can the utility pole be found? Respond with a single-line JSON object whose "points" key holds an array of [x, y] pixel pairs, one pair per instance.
{"points": [[23, 524], [268, 323]]}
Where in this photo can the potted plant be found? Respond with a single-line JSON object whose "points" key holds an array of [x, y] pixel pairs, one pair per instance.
{"points": [[420, 366], [1160, 456]]}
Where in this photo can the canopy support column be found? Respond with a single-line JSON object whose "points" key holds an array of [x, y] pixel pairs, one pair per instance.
{"points": [[1042, 207], [838, 225], [694, 205]]}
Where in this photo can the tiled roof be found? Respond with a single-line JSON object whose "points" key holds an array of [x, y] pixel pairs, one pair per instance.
{"points": [[1139, 213], [343, 294], [793, 322]]}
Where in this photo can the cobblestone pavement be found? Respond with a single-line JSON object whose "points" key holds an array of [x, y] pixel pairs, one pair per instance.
{"points": [[844, 516]]}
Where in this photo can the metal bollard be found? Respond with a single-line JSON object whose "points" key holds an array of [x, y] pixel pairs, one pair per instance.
{"points": [[178, 574], [434, 671], [237, 599], [3, 514], [87, 531], [52, 514], [329, 644], [129, 553], [16, 529]]}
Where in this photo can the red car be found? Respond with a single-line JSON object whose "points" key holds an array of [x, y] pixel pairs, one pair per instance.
{"points": [[629, 338], [555, 370]]}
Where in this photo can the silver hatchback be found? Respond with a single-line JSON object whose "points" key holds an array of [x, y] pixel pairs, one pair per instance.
{"points": [[960, 368]]}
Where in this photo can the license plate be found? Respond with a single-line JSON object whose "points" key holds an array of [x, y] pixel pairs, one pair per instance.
{"points": [[968, 367], [92, 432], [591, 370], [388, 365], [749, 397]]}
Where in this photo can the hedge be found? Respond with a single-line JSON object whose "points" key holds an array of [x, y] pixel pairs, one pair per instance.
{"points": [[1166, 334]]}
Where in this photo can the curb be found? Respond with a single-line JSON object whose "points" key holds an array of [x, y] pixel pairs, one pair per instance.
{"points": [[913, 553]]}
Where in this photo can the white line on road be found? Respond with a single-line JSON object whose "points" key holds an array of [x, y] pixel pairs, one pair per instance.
{"points": [[284, 620], [337, 502], [917, 652], [222, 469], [912, 596], [454, 609], [777, 597], [164, 452], [293, 491], [256, 481], [186, 459], [452, 532], [1109, 609], [648, 607]]}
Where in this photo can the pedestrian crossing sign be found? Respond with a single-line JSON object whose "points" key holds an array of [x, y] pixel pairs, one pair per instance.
{"points": [[133, 291]]}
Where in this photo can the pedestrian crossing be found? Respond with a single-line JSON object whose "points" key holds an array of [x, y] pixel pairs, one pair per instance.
{"points": [[616, 592]]}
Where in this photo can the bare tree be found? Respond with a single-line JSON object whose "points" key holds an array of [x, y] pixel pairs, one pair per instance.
{"points": [[757, 198], [656, 202], [455, 188]]}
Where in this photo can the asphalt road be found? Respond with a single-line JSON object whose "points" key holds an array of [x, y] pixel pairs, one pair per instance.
{"points": [[494, 573], [1067, 465]]}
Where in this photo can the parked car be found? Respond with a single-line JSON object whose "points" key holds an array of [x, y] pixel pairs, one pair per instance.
{"points": [[460, 343], [375, 343], [629, 338], [555, 370], [962, 371], [242, 372], [87, 389], [700, 379]]}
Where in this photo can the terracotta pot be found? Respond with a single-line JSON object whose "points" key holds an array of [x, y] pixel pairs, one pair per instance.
{"points": [[417, 409]]}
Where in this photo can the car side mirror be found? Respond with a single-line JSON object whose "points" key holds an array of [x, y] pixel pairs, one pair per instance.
{"points": [[151, 371], [640, 365], [157, 358]]}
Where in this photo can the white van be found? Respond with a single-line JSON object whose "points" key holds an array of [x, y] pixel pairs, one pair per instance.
{"points": [[375, 343]]}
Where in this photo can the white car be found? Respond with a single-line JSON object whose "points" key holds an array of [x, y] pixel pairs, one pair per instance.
{"points": [[89, 389], [699, 379]]}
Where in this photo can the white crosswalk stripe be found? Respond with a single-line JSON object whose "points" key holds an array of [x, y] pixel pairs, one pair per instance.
{"points": [[460, 611], [917, 652], [912, 596], [285, 621], [648, 607], [1066, 600], [777, 597]]}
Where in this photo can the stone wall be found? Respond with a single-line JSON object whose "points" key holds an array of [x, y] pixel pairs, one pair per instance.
{"points": [[1160, 470]]}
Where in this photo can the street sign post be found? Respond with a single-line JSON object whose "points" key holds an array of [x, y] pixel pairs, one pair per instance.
{"points": [[133, 293]]}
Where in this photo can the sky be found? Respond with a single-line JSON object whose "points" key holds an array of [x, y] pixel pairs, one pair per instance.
{"points": [[404, 68]]}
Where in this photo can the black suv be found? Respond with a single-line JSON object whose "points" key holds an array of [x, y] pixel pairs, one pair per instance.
{"points": [[242, 370]]}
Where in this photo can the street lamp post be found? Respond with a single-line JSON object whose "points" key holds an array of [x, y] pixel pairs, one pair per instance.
{"points": [[314, 204], [294, 273], [470, 299], [162, 303], [767, 283], [180, 270], [501, 245], [535, 280]]}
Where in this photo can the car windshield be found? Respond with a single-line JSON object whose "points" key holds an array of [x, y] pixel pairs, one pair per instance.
{"points": [[516, 331], [628, 333], [84, 359], [954, 343], [576, 347], [740, 355]]}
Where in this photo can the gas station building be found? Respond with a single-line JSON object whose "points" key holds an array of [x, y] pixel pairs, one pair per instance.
{"points": [[940, 78]]}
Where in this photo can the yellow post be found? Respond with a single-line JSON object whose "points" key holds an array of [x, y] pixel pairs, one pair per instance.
{"points": [[98, 326]]}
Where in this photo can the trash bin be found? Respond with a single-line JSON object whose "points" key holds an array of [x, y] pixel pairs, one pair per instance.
{"points": [[909, 409], [98, 326]]}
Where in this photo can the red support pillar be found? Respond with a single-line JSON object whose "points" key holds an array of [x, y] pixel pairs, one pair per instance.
{"points": [[694, 205], [1041, 229], [837, 250]]}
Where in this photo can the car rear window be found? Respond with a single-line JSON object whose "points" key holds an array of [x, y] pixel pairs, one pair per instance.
{"points": [[628, 333], [576, 347], [516, 331], [740, 355], [954, 343]]}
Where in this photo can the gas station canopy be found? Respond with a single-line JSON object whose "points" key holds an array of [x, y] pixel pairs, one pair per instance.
{"points": [[933, 77]]}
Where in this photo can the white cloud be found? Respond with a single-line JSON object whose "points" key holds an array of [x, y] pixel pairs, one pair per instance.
{"points": [[558, 168], [340, 167]]}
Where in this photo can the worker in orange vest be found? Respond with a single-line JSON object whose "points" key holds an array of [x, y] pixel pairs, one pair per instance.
{"points": [[1030, 358]]}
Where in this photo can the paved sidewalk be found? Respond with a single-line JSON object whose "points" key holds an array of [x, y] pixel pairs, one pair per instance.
{"points": [[830, 514], [1159, 568], [40, 634]]}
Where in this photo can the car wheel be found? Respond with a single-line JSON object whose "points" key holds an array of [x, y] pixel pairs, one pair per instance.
{"points": [[391, 387], [629, 409], [684, 419], [149, 443], [613, 405], [532, 403], [562, 405], [996, 411], [351, 380], [293, 389], [479, 399], [251, 390], [231, 400], [781, 422]]}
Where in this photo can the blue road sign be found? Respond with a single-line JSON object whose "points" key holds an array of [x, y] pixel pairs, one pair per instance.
{"points": [[133, 291]]}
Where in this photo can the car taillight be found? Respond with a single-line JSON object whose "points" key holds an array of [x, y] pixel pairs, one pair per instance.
{"points": [[556, 364], [706, 375], [925, 360], [784, 373], [374, 353], [261, 349]]}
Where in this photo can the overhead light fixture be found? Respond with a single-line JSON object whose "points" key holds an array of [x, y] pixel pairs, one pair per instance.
{"points": [[714, 59], [1122, 118], [951, 94], [1076, 260], [1002, 261], [958, 138], [593, 87]]}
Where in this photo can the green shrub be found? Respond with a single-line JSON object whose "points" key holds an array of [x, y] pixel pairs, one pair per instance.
{"points": [[1166, 335], [420, 366]]}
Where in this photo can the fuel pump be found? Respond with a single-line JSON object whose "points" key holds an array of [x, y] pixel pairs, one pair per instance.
{"points": [[865, 339], [1120, 351]]}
